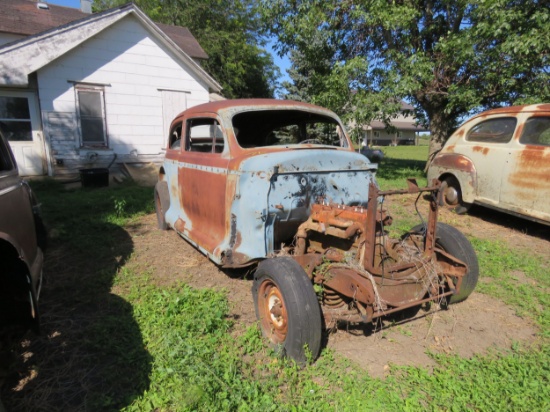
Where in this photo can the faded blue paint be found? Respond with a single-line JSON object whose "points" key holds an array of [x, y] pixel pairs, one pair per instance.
{"points": [[275, 192], [175, 211]]}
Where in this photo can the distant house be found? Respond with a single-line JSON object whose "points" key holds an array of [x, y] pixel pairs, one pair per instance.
{"points": [[405, 130], [76, 88]]}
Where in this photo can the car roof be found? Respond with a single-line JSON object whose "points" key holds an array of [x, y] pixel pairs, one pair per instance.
{"points": [[242, 105], [542, 107]]}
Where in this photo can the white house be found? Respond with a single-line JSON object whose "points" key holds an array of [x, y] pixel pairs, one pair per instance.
{"points": [[76, 89], [404, 131]]}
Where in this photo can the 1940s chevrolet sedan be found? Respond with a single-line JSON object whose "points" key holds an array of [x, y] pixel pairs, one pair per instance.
{"points": [[276, 186]]}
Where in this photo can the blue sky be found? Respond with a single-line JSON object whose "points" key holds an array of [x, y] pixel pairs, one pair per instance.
{"points": [[282, 63]]}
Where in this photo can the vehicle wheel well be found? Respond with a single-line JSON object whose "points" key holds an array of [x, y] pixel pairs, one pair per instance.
{"points": [[15, 294], [452, 193]]}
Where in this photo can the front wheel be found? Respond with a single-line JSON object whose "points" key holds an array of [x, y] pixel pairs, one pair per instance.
{"points": [[452, 241], [287, 308], [451, 196]]}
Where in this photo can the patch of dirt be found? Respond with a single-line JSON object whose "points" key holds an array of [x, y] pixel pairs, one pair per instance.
{"points": [[474, 326], [468, 328]]}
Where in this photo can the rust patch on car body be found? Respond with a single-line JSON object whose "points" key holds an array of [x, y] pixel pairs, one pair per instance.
{"points": [[454, 161], [533, 168], [483, 150]]}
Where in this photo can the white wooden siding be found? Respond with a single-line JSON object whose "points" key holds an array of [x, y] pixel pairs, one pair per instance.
{"points": [[134, 69]]}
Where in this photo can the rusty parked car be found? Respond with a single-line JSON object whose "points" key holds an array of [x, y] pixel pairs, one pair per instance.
{"points": [[276, 186], [21, 235], [499, 159]]}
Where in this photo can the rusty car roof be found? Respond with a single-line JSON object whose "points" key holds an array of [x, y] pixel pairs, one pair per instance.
{"points": [[251, 104], [541, 107]]}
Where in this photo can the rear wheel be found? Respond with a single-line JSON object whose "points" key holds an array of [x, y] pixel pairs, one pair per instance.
{"points": [[162, 203], [287, 308], [452, 241]]}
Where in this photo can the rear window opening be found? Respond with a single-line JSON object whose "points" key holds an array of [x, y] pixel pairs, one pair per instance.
{"points": [[287, 127]]}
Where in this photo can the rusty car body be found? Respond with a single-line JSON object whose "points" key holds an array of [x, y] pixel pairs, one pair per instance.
{"points": [[499, 159], [21, 234], [276, 186]]}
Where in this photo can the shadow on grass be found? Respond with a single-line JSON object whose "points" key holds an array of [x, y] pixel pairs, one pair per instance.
{"points": [[90, 354]]}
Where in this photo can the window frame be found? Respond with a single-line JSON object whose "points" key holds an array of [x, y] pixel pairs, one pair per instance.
{"points": [[203, 121], [19, 120], [101, 91], [525, 125], [489, 120]]}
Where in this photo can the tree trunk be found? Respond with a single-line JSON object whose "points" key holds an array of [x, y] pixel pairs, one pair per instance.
{"points": [[441, 127]]}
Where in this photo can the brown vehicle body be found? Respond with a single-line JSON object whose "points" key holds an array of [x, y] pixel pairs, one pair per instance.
{"points": [[276, 185], [21, 256]]}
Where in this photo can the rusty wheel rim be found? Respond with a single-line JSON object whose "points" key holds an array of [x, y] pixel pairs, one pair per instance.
{"points": [[273, 314]]}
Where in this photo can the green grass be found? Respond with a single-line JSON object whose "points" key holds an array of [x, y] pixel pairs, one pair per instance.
{"points": [[520, 280], [400, 163], [177, 349]]}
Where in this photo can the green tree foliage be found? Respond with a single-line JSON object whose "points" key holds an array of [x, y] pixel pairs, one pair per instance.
{"points": [[448, 58], [230, 33]]}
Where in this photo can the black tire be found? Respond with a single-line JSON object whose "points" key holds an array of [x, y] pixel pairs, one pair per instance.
{"points": [[162, 202], [452, 241], [281, 284], [451, 196]]}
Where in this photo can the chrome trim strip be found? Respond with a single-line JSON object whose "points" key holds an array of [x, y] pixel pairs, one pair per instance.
{"points": [[11, 188]]}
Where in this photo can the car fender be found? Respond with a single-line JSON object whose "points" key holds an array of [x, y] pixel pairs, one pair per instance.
{"points": [[18, 253], [161, 188], [459, 166]]}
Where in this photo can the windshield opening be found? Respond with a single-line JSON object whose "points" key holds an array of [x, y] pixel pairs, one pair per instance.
{"points": [[286, 127]]}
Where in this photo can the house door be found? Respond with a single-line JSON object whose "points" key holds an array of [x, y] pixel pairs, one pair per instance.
{"points": [[20, 125], [173, 103]]}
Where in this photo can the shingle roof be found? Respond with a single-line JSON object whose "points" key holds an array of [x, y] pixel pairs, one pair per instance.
{"points": [[23, 17], [184, 39]]}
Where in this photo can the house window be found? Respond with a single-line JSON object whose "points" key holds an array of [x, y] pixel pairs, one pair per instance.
{"points": [[15, 119], [204, 135], [91, 110], [399, 135], [376, 134]]}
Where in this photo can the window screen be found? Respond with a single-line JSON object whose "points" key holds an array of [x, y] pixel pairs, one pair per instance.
{"points": [[536, 131], [92, 117], [498, 130]]}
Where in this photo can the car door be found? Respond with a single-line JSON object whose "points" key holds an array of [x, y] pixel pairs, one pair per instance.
{"points": [[486, 144], [16, 214], [525, 186], [202, 181]]}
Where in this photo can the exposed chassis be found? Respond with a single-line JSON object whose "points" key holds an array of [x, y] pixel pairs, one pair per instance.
{"points": [[363, 273]]}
